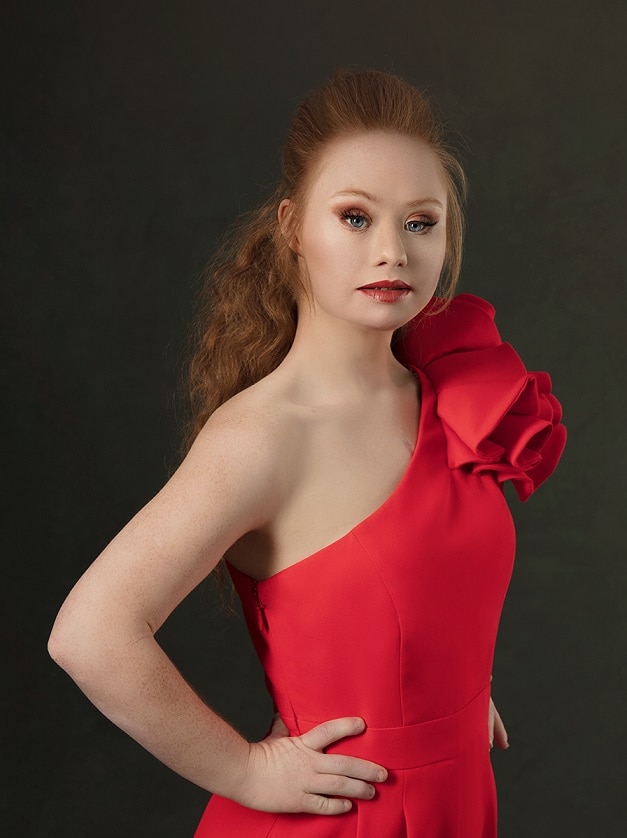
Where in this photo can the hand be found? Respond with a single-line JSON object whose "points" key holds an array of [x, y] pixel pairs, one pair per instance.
{"points": [[496, 728], [293, 774], [279, 728]]}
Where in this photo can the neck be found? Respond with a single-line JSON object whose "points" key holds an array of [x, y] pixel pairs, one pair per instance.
{"points": [[337, 361]]}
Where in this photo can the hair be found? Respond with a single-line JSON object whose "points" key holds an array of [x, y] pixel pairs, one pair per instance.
{"points": [[246, 311]]}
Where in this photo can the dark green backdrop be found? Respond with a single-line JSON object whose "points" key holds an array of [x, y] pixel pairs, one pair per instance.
{"points": [[133, 133]]}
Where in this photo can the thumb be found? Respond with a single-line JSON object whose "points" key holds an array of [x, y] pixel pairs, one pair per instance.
{"points": [[321, 736], [279, 728]]}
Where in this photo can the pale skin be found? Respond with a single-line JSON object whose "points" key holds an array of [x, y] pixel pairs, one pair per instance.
{"points": [[276, 473]]}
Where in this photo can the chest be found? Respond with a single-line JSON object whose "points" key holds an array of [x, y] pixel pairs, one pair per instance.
{"points": [[339, 469]]}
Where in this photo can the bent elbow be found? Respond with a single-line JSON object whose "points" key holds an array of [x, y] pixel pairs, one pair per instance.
{"points": [[62, 646], [89, 644], [57, 647], [74, 642]]}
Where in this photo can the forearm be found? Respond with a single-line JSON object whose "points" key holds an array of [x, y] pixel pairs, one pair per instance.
{"points": [[119, 665], [138, 688]]}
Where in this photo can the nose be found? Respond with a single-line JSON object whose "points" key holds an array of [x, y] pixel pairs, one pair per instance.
{"points": [[389, 247]]}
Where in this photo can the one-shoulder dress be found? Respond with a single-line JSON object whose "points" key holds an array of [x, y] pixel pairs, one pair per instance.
{"points": [[412, 595]]}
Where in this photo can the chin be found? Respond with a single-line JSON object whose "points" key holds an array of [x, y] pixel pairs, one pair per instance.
{"points": [[389, 322]]}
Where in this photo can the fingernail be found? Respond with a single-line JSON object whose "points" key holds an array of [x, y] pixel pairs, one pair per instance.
{"points": [[491, 743], [381, 776], [360, 724]]}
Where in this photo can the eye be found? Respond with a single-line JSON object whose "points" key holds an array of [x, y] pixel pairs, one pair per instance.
{"points": [[355, 219], [418, 225]]}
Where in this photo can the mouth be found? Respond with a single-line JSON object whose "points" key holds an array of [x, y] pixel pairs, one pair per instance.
{"points": [[386, 285], [386, 291]]}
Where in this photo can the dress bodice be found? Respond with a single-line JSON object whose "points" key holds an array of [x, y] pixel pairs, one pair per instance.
{"points": [[396, 620], [412, 594]]}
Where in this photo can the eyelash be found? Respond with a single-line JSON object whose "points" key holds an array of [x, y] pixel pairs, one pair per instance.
{"points": [[354, 213]]}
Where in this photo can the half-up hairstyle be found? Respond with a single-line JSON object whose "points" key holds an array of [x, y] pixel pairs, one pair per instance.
{"points": [[247, 307]]}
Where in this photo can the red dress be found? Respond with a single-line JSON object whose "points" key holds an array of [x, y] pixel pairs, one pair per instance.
{"points": [[412, 595]]}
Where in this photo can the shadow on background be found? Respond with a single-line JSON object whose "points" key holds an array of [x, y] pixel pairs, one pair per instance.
{"points": [[134, 134]]}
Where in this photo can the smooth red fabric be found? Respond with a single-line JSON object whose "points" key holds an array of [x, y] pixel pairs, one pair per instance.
{"points": [[396, 621]]}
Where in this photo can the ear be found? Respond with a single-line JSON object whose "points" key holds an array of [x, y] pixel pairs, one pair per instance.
{"points": [[286, 223]]}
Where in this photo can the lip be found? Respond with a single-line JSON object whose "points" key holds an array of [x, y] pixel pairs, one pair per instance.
{"points": [[385, 295], [386, 285]]}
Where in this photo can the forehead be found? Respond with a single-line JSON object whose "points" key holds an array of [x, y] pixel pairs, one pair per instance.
{"points": [[387, 165]]}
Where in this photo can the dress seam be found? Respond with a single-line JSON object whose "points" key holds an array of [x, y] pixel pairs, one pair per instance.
{"points": [[398, 622]]}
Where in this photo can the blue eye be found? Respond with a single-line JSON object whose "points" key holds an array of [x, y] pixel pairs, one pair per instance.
{"points": [[417, 226], [356, 220]]}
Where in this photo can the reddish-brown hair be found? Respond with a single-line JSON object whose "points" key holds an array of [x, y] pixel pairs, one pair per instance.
{"points": [[246, 313]]}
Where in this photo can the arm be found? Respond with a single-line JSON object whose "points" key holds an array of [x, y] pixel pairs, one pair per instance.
{"points": [[104, 633], [496, 728]]}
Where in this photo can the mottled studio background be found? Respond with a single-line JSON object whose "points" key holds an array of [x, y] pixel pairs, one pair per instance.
{"points": [[131, 134]]}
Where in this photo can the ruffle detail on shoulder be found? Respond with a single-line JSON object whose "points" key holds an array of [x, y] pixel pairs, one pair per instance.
{"points": [[496, 415]]}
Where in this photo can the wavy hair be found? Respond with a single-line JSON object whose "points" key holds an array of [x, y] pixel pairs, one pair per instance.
{"points": [[246, 311]]}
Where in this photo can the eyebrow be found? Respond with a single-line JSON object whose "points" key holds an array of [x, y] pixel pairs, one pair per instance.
{"points": [[360, 193]]}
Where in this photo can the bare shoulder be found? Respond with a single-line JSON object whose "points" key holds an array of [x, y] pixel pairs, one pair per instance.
{"points": [[253, 418], [249, 429], [229, 484], [245, 444]]}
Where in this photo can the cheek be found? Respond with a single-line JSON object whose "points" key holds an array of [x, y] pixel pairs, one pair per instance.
{"points": [[438, 259], [433, 256], [325, 246], [425, 260]]}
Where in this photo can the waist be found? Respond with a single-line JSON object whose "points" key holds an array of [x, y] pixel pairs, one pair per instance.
{"points": [[410, 746]]}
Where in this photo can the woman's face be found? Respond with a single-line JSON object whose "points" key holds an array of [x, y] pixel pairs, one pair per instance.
{"points": [[372, 238]]}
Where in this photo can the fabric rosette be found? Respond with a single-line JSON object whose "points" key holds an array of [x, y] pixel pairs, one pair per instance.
{"points": [[497, 416]]}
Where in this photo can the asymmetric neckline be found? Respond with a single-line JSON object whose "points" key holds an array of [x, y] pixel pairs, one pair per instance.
{"points": [[396, 620], [426, 392]]}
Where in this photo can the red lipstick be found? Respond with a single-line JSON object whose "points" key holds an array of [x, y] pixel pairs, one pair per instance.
{"points": [[386, 290]]}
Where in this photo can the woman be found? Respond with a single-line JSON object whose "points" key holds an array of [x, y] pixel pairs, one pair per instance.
{"points": [[352, 433]]}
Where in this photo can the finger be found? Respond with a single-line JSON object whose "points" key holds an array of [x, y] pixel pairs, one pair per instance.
{"points": [[321, 736], [315, 804], [336, 785], [347, 766], [500, 733], [491, 718]]}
